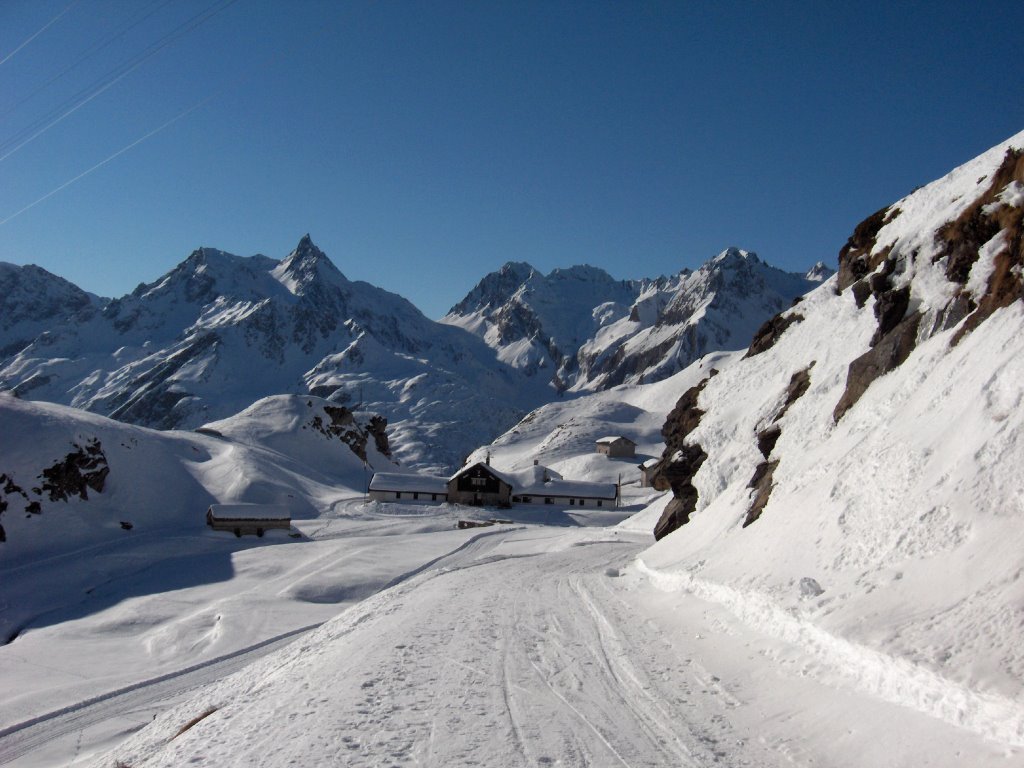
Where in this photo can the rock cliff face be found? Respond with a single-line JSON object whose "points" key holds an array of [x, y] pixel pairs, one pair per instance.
{"points": [[939, 263]]}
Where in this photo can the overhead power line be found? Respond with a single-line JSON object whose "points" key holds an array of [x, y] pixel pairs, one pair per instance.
{"points": [[117, 154], [83, 97], [278, 55], [89, 53], [45, 27]]}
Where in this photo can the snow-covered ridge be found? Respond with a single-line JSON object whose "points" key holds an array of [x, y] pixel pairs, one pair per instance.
{"points": [[581, 330], [220, 331], [869, 445]]}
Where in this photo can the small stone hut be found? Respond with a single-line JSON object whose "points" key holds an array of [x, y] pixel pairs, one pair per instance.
{"points": [[616, 446]]}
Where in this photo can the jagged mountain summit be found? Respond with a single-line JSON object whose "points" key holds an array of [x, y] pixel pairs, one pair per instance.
{"points": [[582, 330], [220, 331]]}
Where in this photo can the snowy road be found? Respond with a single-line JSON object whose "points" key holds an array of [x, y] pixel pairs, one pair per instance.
{"points": [[520, 647], [515, 650]]}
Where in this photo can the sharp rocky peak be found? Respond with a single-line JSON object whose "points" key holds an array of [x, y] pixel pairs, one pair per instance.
{"points": [[306, 264]]}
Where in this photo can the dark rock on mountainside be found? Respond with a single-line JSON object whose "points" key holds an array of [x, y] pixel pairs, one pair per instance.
{"points": [[680, 462], [771, 331], [855, 258], [76, 473], [342, 425]]}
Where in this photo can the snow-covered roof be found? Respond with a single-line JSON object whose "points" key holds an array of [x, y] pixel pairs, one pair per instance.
{"points": [[249, 512], [395, 481], [505, 477], [613, 438], [572, 489], [650, 463], [541, 481]]}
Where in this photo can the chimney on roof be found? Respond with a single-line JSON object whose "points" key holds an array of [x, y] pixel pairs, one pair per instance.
{"points": [[488, 459], [536, 462]]}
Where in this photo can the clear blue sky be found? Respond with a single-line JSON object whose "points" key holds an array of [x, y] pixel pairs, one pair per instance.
{"points": [[423, 144]]}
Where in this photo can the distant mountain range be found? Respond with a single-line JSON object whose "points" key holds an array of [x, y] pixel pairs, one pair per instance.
{"points": [[584, 331], [220, 331]]}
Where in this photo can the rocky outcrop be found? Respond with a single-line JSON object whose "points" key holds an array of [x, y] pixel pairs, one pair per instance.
{"points": [[679, 472], [680, 462], [76, 473], [762, 480], [771, 331], [990, 216], [762, 484], [855, 258], [342, 424], [80, 471], [887, 354]]}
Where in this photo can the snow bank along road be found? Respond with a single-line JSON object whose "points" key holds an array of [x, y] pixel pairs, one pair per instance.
{"points": [[534, 648]]}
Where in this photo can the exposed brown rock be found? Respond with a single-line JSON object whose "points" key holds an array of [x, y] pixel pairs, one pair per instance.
{"points": [[961, 239], [762, 483], [965, 236], [861, 290], [771, 331], [855, 259], [767, 438], [890, 307], [887, 354], [799, 383], [343, 426], [680, 472]]}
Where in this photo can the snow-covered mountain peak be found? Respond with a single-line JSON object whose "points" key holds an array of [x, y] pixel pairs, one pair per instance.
{"points": [[819, 273], [495, 288], [581, 273], [733, 256], [306, 266]]}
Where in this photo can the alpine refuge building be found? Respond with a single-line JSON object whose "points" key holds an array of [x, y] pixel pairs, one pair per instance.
{"points": [[616, 446], [394, 486], [480, 484], [242, 519]]}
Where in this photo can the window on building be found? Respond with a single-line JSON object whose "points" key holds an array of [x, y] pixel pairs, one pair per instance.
{"points": [[517, 499], [547, 500], [527, 499], [479, 481], [599, 503], [398, 494], [581, 502], [572, 502], [433, 497]]}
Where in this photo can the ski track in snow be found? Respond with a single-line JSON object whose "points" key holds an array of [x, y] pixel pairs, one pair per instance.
{"points": [[22, 738], [500, 653]]}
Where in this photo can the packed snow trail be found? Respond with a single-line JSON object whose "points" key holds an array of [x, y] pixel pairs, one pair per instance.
{"points": [[542, 647], [500, 655], [54, 729]]}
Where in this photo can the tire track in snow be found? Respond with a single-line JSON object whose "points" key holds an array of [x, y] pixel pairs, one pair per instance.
{"points": [[21, 738]]}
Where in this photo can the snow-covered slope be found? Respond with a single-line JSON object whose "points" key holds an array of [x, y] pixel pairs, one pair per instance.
{"points": [[855, 482], [562, 435], [221, 331], [69, 479], [582, 330]]}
